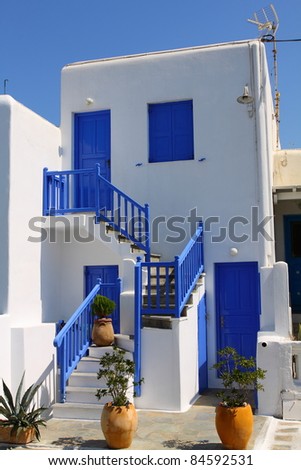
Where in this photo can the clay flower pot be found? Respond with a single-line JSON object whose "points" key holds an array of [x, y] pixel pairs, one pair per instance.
{"points": [[24, 436], [103, 332], [119, 424], [234, 426]]}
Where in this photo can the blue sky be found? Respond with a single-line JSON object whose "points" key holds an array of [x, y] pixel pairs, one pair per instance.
{"points": [[38, 37]]}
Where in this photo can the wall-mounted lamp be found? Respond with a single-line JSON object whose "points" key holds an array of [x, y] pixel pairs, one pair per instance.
{"points": [[233, 251], [89, 101], [245, 98]]}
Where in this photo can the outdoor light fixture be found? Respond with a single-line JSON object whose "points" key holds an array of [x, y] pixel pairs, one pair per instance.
{"points": [[245, 98], [89, 101], [233, 251]]}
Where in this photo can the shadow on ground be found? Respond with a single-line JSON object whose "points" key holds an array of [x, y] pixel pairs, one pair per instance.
{"points": [[69, 443], [192, 445]]}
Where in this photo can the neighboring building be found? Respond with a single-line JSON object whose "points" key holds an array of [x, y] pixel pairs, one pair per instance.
{"points": [[191, 133]]}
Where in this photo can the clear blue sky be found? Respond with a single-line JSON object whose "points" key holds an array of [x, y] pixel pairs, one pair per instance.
{"points": [[38, 37]]}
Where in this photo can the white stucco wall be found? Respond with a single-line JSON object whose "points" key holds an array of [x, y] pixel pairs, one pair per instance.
{"points": [[28, 143], [234, 141], [169, 363]]}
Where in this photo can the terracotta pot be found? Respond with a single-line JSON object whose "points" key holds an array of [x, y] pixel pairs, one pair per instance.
{"points": [[119, 424], [234, 426], [103, 332], [24, 436]]}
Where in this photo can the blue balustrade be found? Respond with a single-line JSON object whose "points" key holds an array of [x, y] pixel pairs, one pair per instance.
{"points": [[169, 284], [167, 288], [73, 191], [74, 339]]}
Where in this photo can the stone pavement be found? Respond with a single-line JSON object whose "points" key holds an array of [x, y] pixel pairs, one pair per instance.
{"points": [[192, 430]]}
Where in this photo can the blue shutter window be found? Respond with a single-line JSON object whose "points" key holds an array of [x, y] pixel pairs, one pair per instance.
{"points": [[171, 131]]}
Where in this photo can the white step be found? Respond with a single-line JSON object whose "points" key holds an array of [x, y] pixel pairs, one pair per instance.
{"points": [[88, 364], [83, 395], [97, 352], [85, 379], [77, 411], [125, 342], [81, 401]]}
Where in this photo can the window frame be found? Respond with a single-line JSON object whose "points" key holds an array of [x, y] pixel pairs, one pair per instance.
{"points": [[174, 141]]}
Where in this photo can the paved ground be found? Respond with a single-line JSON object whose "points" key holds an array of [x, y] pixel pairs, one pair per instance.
{"points": [[193, 430]]}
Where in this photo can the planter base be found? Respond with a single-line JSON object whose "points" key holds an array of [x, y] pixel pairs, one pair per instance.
{"points": [[119, 424], [24, 436], [103, 332], [234, 426]]}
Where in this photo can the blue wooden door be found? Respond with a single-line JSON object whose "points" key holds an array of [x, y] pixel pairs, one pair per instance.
{"points": [[202, 343], [108, 275], [92, 133], [237, 306], [292, 229]]}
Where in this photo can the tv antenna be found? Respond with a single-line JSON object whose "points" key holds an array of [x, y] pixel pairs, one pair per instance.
{"points": [[267, 22]]}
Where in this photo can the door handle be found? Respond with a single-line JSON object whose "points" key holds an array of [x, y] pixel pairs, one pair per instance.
{"points": [[222, 321]]}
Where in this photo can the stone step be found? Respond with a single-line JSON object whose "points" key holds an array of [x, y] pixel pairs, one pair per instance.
{"points": [[125, 342], [83, 395], [88, 364], [84, 411], [85, 379]]}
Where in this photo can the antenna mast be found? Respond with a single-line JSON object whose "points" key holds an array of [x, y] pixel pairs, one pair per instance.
{"points": [[267, 22]]}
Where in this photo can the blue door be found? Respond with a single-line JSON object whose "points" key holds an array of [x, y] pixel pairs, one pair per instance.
{"points": [[92, 133], [108, 275], [202, 343], [237, 306], [292, 230]]}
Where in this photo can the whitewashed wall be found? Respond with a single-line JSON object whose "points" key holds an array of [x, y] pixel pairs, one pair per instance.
{"points": [[28, 143], [234, 141]]}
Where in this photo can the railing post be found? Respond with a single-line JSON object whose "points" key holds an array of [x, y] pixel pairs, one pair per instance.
{"points": [[147, 234], [45, 192], [97, 192], [178, 286], [137, 349]]}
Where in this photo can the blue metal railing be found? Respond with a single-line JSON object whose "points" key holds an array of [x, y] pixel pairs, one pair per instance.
{"points": [[168, 288], [74, 339], [85, 190]]}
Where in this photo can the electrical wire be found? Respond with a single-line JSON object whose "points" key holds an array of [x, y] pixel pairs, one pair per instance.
{"points": [[271, 38]]}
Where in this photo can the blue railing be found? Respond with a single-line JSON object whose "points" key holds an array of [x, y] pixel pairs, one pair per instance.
{"points": [[74, 339], [73, 191], [167, 289]]}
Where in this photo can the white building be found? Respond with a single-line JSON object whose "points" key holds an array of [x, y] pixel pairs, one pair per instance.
{"points": [[191, 133]]}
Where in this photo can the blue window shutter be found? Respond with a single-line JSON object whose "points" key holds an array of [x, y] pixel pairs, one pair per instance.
{"points": [[170, 131], [182, 130], [160, 132]]}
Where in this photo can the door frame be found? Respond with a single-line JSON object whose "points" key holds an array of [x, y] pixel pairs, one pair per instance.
{"points": [[287, 219], [254, 266], [95, 269], [104, 162]]}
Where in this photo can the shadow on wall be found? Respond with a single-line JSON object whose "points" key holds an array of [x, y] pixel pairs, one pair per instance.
{"points": [[46, 395], [4, 245]]}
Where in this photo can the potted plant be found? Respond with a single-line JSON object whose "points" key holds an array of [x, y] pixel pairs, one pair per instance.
{"points": [[21, 418], [102, 331], [119, 418], [234, 415]]}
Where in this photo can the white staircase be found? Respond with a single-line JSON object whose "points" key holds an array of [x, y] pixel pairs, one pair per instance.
{"points": [[81, 402]]}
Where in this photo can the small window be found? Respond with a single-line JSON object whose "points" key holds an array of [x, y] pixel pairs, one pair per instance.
{"points": [[171, 131]]}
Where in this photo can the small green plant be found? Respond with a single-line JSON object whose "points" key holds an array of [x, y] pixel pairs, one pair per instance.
{"points": [[239, 375], [118, 373], [102, 306], [19, 412]]}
